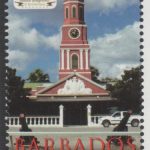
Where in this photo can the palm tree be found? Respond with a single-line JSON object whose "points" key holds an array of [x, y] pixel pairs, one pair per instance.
{"points": [[38, 76]]}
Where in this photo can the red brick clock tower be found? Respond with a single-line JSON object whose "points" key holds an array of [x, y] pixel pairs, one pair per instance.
{"points": [[74, 49]]}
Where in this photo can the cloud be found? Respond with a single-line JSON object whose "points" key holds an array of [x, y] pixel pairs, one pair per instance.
{"points": [[54, 41], [24, 36], [113, 53], [106, 6], [25, 41], [49, 17], [55, 17], [18, 59]]}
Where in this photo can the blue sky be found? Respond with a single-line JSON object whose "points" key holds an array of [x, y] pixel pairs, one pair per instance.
{"points": [[112, 22], [34, 37]]}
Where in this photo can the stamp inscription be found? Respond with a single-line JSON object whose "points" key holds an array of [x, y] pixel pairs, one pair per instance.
{"points": [[35, 4]]}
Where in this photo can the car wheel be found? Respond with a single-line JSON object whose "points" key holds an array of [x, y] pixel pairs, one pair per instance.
{"points": [[135, 123], [106, 123]]}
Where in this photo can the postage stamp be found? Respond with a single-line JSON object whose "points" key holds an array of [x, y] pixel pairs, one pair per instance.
{"points": [[74, 76]]}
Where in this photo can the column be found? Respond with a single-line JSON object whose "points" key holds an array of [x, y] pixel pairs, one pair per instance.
{"points": [[87, 58], [38, 121], [89, 107], [61, 115], [62, 59], [81, 59], [18, 122], [68, 60]]}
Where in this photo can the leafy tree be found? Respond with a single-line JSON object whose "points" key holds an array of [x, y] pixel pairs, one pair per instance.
{"points": [[95, 74], [109, 79], [38, 76], [128, 90], [16, 93]]}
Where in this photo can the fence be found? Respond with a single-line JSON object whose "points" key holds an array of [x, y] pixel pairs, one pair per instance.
{"points": [[93, 120], [56, 121], [53, 121]]}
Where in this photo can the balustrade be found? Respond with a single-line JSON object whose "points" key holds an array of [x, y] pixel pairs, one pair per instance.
{"points": [[93, 120], [35, 121], [32, 121]]}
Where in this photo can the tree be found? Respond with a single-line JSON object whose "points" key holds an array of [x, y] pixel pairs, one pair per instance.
{"points": [[16, 93], [128, 90], [38, 76], [95, 74]]}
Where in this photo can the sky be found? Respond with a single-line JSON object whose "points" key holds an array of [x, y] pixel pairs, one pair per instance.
{"points": [[113, 34]]}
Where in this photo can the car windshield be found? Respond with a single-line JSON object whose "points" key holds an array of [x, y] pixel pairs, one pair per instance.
{"points": [[116, 114]]}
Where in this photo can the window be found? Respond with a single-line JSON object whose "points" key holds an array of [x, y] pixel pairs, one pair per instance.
{"points": [[74, 12], [67, 12], [74, 61], [117, 115], [81, 12]]}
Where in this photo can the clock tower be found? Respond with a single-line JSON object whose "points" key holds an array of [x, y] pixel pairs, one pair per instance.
{"points": [[74, 49]]}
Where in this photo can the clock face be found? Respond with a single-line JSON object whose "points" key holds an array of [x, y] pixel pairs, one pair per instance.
{"points": [[74, 33]]}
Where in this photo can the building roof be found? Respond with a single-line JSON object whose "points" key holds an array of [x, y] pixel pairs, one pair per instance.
{"points": [[70, 76], [33, 86]]}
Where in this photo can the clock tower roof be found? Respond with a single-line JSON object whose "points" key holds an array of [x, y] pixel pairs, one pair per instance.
{"points": [[74, 12]]}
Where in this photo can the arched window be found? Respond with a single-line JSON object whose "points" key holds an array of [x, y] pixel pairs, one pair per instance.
{"points": [[81, 12], [74, 12], [74, 61], [67, 12]]}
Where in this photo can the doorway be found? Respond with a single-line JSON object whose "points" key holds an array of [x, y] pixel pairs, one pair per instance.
{"points": [[75, 114]]}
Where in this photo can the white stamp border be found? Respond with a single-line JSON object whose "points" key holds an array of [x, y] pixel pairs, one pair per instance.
{"points": [[146, 75]]}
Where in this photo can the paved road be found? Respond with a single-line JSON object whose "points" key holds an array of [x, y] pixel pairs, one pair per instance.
{"points": [[85, 137]]}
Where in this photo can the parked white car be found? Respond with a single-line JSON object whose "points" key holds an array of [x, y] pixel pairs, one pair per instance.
{"points": [[116, 117]]}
